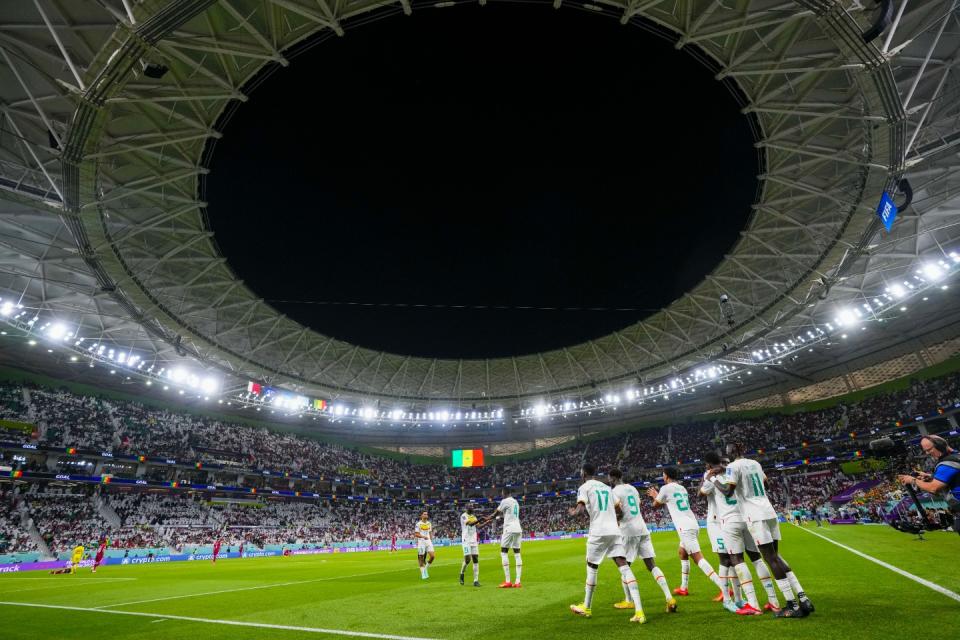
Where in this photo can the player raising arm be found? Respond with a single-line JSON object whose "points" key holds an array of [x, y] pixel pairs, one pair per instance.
{"points": [[744, 479], [509, 510], [675, 497], [603, 539]]}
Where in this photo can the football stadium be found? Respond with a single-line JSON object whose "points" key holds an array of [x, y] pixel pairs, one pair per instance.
{"points": [[420, 320]]}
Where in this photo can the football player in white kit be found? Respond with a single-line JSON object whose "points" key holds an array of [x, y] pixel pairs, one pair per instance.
{"points": [[423, 532], [468, 539], [718, 506], [636, 539], [509, 510], [745, 480], [603, 539], [732, 541], [675, 497]]}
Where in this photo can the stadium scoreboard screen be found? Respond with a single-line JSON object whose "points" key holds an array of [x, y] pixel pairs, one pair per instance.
{"points": [[467, 458]]}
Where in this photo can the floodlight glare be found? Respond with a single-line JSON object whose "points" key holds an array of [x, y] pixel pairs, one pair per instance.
{"points": [[209, 385], [932, 271]]}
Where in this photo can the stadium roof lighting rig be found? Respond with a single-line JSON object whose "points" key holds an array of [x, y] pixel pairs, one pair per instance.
{"points": [[61, 336]]}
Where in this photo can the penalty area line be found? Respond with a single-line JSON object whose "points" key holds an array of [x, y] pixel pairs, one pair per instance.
{"points": [[887, 565], [233, 623]]}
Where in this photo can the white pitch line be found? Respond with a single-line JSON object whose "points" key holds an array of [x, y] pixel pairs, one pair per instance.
{"points": [[51, 579], [234, 623], [887, 565], [259, 586]]}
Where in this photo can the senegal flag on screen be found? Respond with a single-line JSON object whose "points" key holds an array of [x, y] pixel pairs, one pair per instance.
{"points": [[467, 457]]}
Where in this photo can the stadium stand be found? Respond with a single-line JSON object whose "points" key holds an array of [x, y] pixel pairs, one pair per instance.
{"points": [[62, 513]]}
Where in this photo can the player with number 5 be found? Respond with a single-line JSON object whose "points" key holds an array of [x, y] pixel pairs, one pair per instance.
{"points": [[675, 497]]}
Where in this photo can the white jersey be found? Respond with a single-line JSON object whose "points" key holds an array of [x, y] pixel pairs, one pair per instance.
{"points": [[425, 529], [706, 489], [599, 500], [468, 532], [720, 508], [632, 522], [510, 509], [678, 504], [751, 493]]}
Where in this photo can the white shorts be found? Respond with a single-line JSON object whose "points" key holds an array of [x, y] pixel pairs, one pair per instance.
{"points": [[638, 547], [600, 547], [470, 549], [736, 538], [716, 537], [690, 541], [765, 531], [510, 540], [424, 547]]}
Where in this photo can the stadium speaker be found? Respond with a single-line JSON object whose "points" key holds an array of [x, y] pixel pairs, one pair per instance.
{"points": [[904, 187], [883, 21], [154, 70]]}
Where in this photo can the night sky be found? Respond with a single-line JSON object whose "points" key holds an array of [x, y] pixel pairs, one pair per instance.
{"points": [[498, 156]]}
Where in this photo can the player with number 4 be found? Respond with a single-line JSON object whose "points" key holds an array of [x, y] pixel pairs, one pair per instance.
{"points": [[675, 497]]}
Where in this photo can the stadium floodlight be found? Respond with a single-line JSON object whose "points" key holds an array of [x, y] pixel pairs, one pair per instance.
{"points": [[896, 290], [443, 415], [932, 271], [396, 414], [121, 358], [209, 385], [540, 410], [6, 309], [846, 317], [57, 331], [177, 375]]}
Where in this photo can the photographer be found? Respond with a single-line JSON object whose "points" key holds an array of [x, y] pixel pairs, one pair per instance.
{"points": [[946, 474]]}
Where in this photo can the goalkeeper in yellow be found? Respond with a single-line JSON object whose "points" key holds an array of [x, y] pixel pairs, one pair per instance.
{"points": [[75, 559], [471, 550]]}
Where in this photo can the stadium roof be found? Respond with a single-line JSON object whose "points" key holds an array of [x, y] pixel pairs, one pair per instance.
{"points": [[110, 111]]}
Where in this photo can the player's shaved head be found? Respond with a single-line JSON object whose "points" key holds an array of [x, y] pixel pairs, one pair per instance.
{"points": [[588, 469], [712, 458], [615, 474]]}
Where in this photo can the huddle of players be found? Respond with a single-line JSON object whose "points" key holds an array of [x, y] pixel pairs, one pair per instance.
{"points": [[740, 520]]}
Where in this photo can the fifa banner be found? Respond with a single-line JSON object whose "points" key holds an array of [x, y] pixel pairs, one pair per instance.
{"points": [[887, 211]]}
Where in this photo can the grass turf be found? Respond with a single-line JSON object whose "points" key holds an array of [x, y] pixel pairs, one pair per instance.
{"points": [[382, 593]]}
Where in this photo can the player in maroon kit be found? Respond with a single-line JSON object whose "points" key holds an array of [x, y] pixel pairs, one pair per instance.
{"points": [[240, 551], [216, 549], [393, 542], [101, 549]]}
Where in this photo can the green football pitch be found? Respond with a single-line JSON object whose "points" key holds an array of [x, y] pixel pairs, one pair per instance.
{"points": [[381, 595]]}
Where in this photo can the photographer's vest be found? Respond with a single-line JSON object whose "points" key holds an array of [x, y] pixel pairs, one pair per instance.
{"points": [[952, 461]]}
